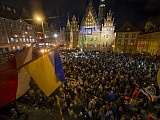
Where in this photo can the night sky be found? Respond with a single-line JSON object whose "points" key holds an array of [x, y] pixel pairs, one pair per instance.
{"points": [[136, 12]]}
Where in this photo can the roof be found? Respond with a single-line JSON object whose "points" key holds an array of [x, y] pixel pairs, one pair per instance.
{"points": [[9, 12], [127, 27], [91, 8]]}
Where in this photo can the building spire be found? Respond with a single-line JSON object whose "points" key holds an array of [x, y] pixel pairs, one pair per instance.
{"points": [[68, 23], [101, 13], [102, 3], [90, 2]]}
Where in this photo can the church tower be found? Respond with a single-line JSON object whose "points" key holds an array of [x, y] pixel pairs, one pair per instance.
{"points": [[101, 13], [68, 34], [75, 30]]}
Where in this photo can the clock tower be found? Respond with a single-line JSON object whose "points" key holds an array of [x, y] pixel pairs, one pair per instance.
{"points": [[101, 13]]}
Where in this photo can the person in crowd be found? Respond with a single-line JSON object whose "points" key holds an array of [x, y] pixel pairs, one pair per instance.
{"points": [[103, 88]]}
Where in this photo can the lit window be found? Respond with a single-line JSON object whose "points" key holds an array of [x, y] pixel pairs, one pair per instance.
{"points": [[12, 39], [24, 40], [20, 39], [108, 29], [16, 39], [107, 36], [126, 35], [132, 42], [13, 47], [119, 42], [128, 29], [133, 35], [125, 42], [119, 35]]}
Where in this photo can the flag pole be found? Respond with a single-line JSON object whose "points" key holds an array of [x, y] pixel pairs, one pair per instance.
{"points": [[38, 57], [30, 60]]}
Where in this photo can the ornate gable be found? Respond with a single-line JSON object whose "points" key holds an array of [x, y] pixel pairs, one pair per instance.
{"points": [[127, 27], [74, 24], [90, 17]]}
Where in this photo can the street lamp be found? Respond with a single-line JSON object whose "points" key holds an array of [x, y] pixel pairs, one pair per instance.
{"points": [[40, 19], [55, 38]]}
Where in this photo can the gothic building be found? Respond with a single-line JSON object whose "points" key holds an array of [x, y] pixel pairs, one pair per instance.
{"points": [[70, 33], [101, 13], [97, 32]]}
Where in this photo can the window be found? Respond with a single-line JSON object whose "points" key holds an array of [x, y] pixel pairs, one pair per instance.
{"points": [[12, 39], [132, 42], [133, 35], [91, 39], [27, 40], [16, 39], [125, 42], [108, 29], [24, 40], [119, 42], [20, 39], [107, 36], [126, 35], [128, 29], [119, 35]]}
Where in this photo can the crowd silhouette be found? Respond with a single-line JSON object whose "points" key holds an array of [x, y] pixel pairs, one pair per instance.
{"points": [[100, 86]]}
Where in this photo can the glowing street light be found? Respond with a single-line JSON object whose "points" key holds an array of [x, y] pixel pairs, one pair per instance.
{"points": [[41, 20], [55, 35]]}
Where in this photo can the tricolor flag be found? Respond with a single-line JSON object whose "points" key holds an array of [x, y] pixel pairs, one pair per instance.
{"points": [[150, 95], [47, 72], [14, 82]]}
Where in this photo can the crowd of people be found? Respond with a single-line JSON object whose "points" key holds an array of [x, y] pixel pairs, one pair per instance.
{"points": [[102, 86], [109, 85]]}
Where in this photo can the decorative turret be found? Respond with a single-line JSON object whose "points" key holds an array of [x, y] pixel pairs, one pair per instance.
{"points": [[149, 24], [75, 31], [68, 27], [109, 16], [74, 24]]}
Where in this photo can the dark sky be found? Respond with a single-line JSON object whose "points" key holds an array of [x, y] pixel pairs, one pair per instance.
{"points": [[134, 11]]}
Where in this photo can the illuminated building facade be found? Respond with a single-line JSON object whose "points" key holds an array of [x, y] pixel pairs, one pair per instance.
{"points": [[96, 32], [70, 33], [15, 32], [149, 39], [126, 39]]}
